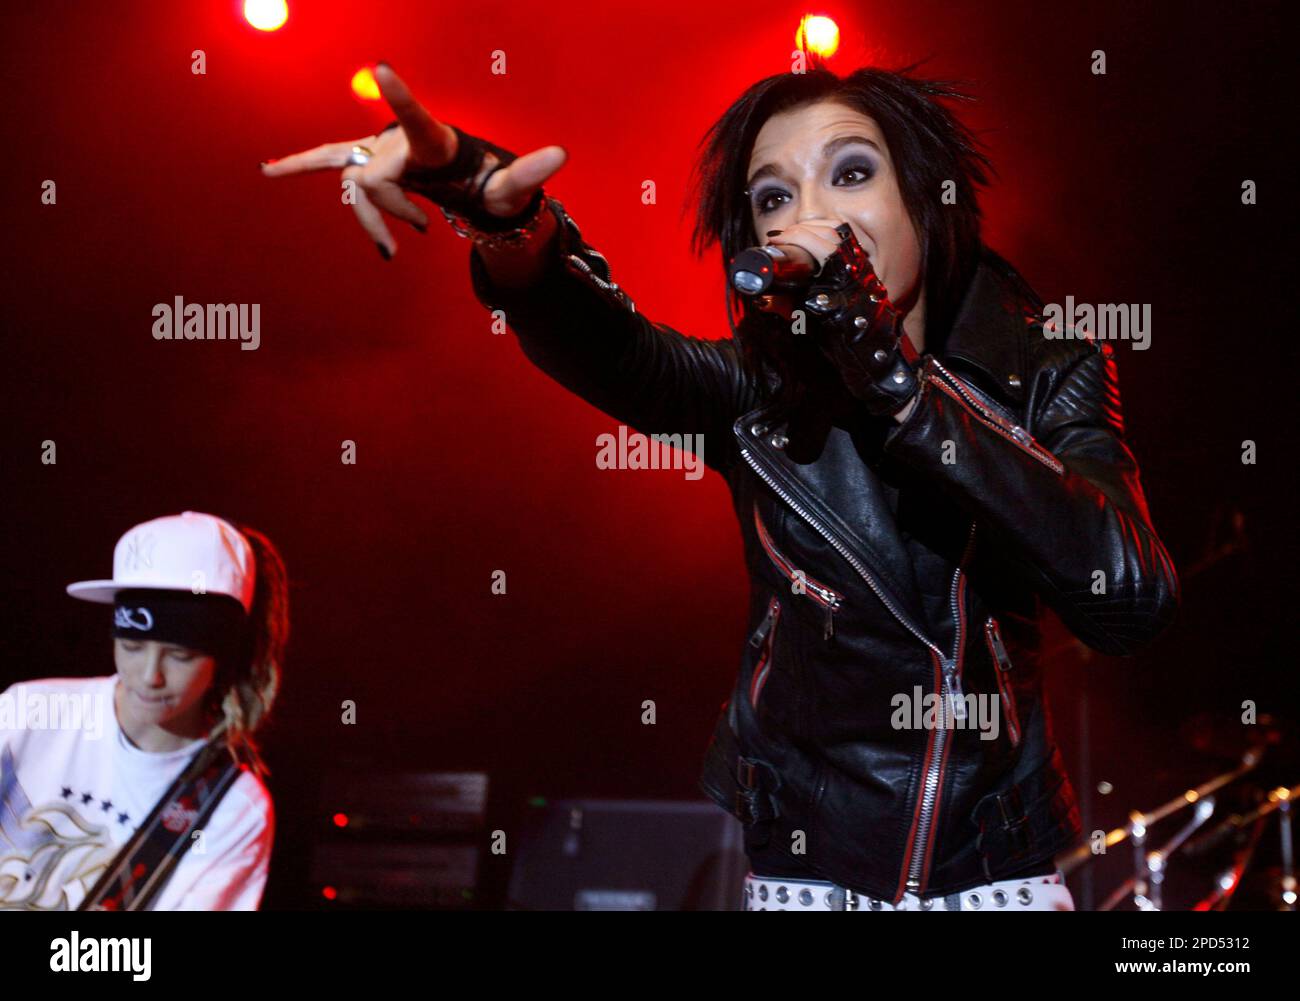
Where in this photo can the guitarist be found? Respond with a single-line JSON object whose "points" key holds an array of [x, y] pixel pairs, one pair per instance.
{"points": [[143, 789]]}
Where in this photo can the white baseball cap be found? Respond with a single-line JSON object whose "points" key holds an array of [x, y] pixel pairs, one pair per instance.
{"points": [[194, 552]]}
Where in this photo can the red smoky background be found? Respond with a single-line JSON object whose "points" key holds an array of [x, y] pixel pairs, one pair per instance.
{"points": [[622, 587]]}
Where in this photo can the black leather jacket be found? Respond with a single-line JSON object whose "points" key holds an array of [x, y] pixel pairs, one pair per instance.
{"points": [[890, 560]]}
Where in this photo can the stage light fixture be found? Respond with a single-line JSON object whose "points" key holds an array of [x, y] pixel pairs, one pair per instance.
{"points": [[266, 15], [818, 35], [364, 85]]}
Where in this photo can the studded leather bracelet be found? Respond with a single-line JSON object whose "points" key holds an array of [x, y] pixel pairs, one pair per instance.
{"points": [[456, 189]]}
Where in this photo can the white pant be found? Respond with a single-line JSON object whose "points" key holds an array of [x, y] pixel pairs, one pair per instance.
{"points": [[1032, 893]]}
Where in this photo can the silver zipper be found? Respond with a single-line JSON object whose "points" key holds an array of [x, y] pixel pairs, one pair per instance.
{"points": [[956, 698], [953, 702], [831, 600], [765, 626], [930, 788], [1002, 661], [995, 641], [956, 694], [761, 636], [1000, 424], [570, 229], [609, 287]]}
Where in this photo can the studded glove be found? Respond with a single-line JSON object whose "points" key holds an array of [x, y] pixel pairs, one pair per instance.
{"points": [[860, 331]]}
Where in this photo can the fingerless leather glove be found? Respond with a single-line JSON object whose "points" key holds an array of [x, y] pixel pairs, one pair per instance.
{"points": [[451, 186], [861, 332]]}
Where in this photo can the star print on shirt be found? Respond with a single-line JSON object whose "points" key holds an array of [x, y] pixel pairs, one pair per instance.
{"points": [[105, 805]]}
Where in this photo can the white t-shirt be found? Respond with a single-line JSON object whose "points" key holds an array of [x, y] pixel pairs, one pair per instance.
{"points": [[73, 789]]}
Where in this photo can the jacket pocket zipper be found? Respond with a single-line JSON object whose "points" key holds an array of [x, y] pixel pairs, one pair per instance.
{"points": [[828, 598], [1013, 432], [764, 639], [1003, 664]]}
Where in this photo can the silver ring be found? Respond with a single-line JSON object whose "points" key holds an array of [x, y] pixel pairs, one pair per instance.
{"points": [[360, 156]]}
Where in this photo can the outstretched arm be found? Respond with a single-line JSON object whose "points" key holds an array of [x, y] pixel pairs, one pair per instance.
{"points": [[581, 328]]}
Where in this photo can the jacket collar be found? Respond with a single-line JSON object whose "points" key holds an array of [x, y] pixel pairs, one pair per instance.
{"points": [[989, 331]]}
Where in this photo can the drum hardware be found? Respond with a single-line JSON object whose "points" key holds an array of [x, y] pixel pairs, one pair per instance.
{"points": [[1278, 801], [1149, 867], [1146, 884], [1083, 853]]}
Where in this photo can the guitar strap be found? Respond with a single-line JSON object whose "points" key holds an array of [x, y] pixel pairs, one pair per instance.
{"points": [[145, 863]]}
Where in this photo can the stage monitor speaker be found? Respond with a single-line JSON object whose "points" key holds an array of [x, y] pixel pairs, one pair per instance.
{"points": [[629, 855]]}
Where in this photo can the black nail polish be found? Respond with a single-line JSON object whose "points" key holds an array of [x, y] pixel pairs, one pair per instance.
{"points": [[384, 252], [420, 227], [774, 232]]}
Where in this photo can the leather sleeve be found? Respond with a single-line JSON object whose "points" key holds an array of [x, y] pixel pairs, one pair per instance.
{"points": [[584, 331], [1061, 497]]}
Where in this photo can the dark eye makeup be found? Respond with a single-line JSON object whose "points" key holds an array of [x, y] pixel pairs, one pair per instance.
{"points": [[762, 199]]}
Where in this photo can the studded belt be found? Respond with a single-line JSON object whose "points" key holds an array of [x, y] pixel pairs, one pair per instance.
{"points": [[1035, 893]]}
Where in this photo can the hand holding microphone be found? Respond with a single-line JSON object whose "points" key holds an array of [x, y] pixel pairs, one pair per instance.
{"points": [[819, 266], [788, 261]]}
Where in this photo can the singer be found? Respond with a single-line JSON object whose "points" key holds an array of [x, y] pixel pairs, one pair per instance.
{"points": [[917, 470]]}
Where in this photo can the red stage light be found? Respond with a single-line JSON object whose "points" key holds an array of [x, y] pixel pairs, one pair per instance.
{"points": [[266, 15], [364, 85], [818, 34], [340, 820], [329, 893]]}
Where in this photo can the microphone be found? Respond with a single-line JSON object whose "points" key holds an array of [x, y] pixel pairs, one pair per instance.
{"points": [[759, 269]]}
